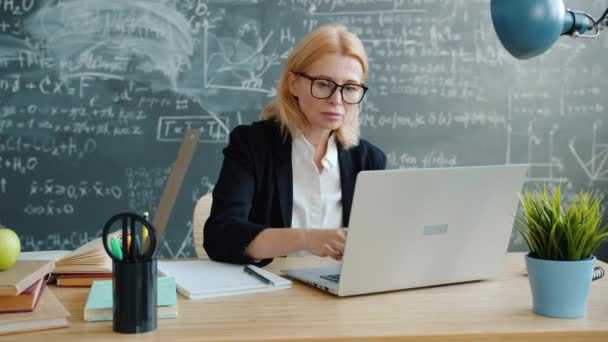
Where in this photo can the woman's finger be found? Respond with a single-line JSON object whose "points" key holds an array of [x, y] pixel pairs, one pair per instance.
{"points": [[337, 246], [330, 252]]}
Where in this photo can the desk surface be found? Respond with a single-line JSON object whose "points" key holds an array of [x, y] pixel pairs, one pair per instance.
{"points": [[494, 309]]}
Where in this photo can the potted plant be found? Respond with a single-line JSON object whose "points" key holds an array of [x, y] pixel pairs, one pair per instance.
{"points": [[561, 243]]}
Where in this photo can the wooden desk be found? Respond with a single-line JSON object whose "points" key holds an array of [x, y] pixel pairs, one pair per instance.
{"points": [[499, 309]]}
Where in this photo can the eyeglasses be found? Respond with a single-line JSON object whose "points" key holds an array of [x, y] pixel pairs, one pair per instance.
{"points": [[322, 88]]}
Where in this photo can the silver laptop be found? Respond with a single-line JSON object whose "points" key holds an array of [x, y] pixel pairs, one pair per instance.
{"points": [[423, 227]]}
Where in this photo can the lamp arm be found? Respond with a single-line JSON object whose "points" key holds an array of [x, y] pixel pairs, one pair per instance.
{"points": [[577, 23], [603, 18], [602, 22]]}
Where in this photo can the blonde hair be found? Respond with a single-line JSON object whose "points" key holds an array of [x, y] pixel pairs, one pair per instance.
{"points": [[324, 40]]}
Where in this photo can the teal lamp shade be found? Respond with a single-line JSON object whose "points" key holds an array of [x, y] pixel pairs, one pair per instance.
{"points": [[527, 28]]}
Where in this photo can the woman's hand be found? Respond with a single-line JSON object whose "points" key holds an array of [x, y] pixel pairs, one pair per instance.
{"points": [[326, 242]]}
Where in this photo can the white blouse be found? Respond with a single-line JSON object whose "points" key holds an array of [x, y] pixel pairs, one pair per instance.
{"points": [[317, 196]]}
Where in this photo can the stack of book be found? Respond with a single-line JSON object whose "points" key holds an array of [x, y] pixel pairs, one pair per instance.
{"points": [[22, 284], [25, 303]]}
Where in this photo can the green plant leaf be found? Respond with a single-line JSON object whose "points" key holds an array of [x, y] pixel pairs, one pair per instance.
{"points": [[557, 233]]}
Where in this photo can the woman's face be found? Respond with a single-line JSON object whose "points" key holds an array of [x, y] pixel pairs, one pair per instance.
{"points": [[325, 115]]}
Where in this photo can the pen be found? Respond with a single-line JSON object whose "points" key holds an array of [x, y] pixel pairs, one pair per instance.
{"points": [[134, 243], [135, 249], [116, 250], [125, 237], [128, 245], [260, 277], [144, 233]]}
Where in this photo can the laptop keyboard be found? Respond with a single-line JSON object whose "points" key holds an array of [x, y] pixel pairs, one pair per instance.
{"points": [[332, 277]]}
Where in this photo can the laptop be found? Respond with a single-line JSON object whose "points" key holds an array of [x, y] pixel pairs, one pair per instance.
{"points": [[423, 227]]}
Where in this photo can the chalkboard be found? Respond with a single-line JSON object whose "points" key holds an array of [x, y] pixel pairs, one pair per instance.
{"points": [[95, 96]]}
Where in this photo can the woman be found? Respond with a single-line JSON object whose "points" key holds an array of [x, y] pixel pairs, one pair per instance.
{"points": [[297, 167]]}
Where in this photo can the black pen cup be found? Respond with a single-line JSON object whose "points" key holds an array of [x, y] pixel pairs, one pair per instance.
{"points": [[134, 295]]}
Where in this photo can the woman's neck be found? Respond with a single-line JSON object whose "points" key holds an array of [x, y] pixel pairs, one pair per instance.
{"points": [[319, 140]]}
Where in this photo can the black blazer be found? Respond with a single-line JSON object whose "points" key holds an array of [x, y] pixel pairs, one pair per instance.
{"points": [[254, 190]]}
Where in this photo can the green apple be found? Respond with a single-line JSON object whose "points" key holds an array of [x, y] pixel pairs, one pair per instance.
{"points": [[10, 247]]}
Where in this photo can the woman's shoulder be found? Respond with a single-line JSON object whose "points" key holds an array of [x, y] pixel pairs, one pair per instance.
{"points": [[367, 148], [370, 155], [258, 131]]}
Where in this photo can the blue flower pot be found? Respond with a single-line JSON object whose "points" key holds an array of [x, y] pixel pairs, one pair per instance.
{"points": [[560, 288]]}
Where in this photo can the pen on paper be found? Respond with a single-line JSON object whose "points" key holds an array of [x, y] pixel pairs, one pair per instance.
{"points": [[260, 277]]}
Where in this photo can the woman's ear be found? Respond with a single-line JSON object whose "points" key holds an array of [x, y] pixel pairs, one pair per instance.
{"points": [[291, 82]]}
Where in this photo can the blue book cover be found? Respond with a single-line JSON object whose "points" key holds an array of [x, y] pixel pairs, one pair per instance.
{"points": [[99, 301]]}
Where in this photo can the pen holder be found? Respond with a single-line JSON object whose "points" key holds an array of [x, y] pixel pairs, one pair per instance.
{"points": [[134, 295]]}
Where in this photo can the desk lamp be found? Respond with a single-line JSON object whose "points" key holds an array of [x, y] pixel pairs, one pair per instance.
{"points": [[527, 28]]}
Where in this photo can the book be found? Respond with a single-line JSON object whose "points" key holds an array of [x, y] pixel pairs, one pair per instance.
{"points": [[81, 279], [22, 275], [88, 258], [44, 255], [49, 314], [99, 302], [25, 301], [198, 279]]}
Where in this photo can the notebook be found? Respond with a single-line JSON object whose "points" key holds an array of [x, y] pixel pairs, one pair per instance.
{"points": [[25, 301], [22, 275], [49, 314], [99, 302], [198, 279]]}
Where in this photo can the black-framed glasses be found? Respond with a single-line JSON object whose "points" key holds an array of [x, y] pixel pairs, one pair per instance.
{"points": [[322, 88]]}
